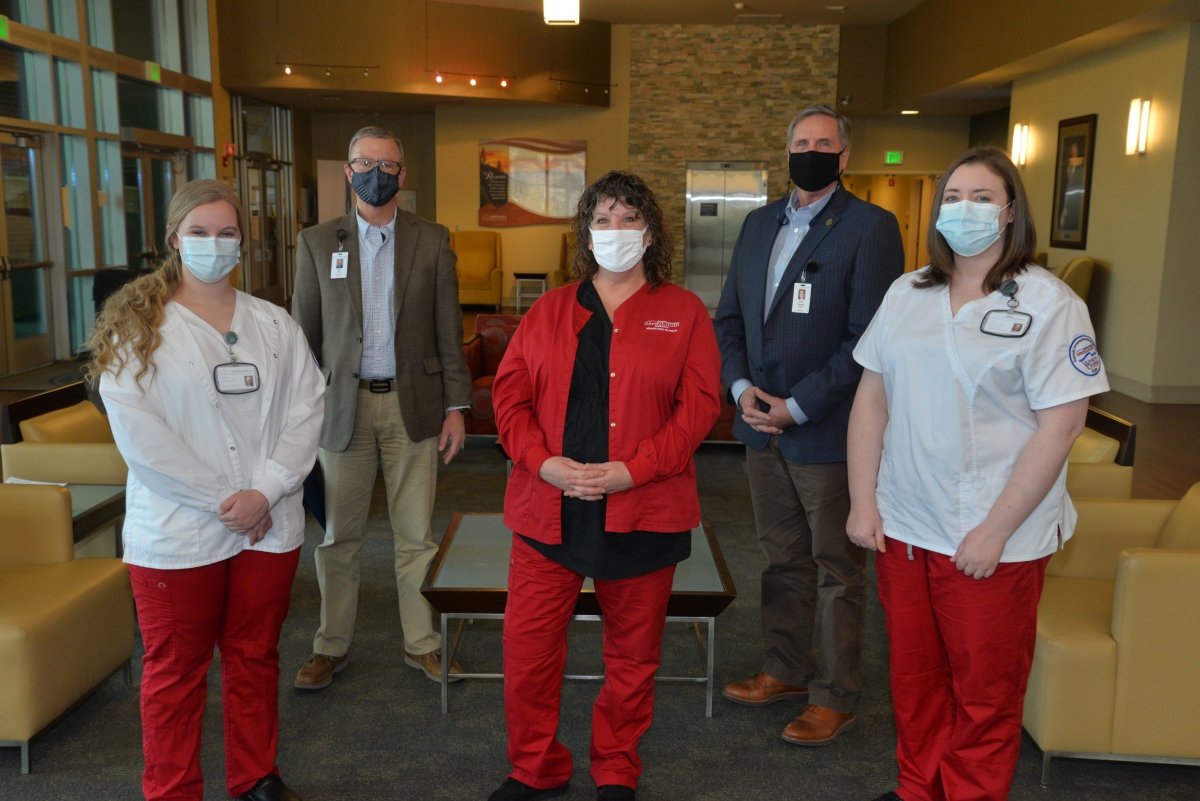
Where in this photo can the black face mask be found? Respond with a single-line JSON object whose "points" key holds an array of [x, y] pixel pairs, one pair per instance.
{"points": [[813, 170], [375, 186]]}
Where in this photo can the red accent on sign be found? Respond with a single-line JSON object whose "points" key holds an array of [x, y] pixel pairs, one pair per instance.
{"points": [[230, 149], [891, 181]]}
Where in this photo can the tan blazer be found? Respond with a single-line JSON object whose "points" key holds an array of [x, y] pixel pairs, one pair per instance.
{"points": [[430, 371]]}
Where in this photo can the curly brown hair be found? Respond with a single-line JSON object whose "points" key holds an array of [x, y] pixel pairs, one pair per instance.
{"points": [[631, 190], [127, 327]]}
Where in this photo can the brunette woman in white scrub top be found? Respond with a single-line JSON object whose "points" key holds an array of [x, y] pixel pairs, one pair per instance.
{"points": [[216, 404], [977, 374]]}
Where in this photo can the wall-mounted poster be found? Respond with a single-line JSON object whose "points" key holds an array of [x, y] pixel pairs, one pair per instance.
{"points": [[529, 181], [1073, 182]]}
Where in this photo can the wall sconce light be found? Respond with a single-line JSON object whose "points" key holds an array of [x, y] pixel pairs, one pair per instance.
{"points": [[1020, 144], [908, 112], [560, 12], [1139, 127]]}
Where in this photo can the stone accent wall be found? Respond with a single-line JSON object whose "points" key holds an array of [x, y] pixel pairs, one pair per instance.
{"points": [[720, 92]]}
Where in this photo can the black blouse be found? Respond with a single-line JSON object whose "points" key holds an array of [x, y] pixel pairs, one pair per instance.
{"points": [[586, 547]]}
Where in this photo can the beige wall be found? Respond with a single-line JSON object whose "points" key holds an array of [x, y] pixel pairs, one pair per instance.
{"points": [[331, 134], [929, 143], [1131, 221], [530, 248]]}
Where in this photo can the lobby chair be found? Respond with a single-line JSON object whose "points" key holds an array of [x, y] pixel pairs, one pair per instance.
{"points": [[1077, 274], [1118, 637], [483, 354], [66, 624], [562, 276], [59, 415], [480, 269], [1100, 464]]}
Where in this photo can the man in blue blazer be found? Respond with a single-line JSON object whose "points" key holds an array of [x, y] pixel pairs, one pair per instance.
{"points": [[807, 275]]}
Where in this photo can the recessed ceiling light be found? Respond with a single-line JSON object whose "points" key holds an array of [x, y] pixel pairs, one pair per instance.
{"points": [[910, 111]]}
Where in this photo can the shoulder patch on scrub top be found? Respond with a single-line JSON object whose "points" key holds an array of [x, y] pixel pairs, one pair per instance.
{"points": [[1084, 356]]}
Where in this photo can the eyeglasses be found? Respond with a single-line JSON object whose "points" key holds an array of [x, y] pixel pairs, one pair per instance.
{"points": [[366, 165]]}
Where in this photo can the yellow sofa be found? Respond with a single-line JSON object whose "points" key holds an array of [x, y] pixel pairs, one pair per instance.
{"points": [[1118, 641], [480, 267], [66, 624]]}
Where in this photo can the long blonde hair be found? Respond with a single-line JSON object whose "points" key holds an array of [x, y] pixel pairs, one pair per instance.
{"points": [[127, 326]]}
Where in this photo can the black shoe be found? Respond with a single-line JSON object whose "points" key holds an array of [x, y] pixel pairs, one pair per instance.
{"points": [[513, 790], [890, 795], [612, 792], [270, 788]]}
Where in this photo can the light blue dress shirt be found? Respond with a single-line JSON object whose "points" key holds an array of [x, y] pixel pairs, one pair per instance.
{"points": [[786, 242], [377, 257]]}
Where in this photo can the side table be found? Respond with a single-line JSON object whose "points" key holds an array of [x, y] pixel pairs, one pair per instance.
{"points": [[527, 282]]}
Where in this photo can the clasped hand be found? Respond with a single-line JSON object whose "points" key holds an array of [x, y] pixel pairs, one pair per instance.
{"points": [[589, 482], [979, 553], [247, 513], [774, 420]]}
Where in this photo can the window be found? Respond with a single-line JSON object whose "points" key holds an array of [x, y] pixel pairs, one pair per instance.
{"points": [[26, 86], [71, 109], [200, 120], [133, 24], [64, 18], [100, 29], [111, 196], [26, 12], [83, 310], [77, 204], [104, 101], [259, 122], [197, 57]]}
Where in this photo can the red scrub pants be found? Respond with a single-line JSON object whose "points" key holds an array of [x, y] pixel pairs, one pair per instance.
{"points": [[541, 598], [239, 606], [961, 651]]}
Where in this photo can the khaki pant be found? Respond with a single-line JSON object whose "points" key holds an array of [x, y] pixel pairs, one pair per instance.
{"points": [[814, 586], [410, 475]]}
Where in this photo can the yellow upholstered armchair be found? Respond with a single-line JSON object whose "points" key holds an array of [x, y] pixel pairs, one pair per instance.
{"points": [[562, 276], [1077, 274], [1100, 464], [1118, 638], [59, 436], [66, 624], [480, 269]]}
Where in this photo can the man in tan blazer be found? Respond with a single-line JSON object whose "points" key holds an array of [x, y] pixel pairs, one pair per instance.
{"points": [[377, 296]]}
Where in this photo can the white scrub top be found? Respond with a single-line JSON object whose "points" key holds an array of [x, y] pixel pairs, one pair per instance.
{"points": [[190, 447], [961, 407]]}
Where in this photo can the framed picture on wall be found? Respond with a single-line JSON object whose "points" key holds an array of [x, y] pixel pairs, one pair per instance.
{"points": [[1073, 182]]}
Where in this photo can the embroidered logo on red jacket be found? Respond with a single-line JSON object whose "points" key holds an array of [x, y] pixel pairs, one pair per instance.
{"points": [[662, 325]]}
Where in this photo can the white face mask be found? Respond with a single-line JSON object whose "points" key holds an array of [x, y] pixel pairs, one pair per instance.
{"points": [[210, 258], [970, 227], [617, 250]]}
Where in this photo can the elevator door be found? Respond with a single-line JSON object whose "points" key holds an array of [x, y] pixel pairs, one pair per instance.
{"points": [[719, 196]]}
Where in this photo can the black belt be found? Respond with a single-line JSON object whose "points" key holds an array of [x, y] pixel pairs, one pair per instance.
{"points": [[377, 385]]}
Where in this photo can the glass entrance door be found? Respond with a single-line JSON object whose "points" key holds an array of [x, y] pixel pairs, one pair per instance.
{"points": [[25, 340], [151, 180], [265, 262]]}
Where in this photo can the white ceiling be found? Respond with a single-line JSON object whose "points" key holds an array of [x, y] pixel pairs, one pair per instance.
{"points": [[722, 12]]}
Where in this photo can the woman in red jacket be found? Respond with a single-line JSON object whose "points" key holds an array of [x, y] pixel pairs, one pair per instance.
{"points": [[607, 388]]}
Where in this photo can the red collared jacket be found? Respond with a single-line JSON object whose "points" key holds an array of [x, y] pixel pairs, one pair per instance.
{"points": [[664, 396]]}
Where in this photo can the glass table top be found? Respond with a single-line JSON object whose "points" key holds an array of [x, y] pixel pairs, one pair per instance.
{"points": [[477, 558], [85, 497]]}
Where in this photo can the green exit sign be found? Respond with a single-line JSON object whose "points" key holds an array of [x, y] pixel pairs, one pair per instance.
{"points": [[153, 72], [3, 27], [893, 157]]}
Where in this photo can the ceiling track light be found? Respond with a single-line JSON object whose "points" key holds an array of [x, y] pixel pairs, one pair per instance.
{"points": [[473, 82], [503, 83], [327, 72], [287, 69], [364, 72]]}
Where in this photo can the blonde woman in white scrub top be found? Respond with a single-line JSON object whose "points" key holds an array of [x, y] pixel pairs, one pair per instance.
{"points": [[216, 404], [977, 374]]}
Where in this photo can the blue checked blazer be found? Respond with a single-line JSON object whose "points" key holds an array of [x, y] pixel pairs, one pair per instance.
{"points": [[859, 253]]}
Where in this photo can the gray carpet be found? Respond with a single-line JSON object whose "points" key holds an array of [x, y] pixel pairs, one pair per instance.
{"points": [[378, 732]]}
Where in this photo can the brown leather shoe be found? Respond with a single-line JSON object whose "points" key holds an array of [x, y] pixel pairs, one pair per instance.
{"points": [[762, 690], [317, 672], [818, 725], [431, 665]]}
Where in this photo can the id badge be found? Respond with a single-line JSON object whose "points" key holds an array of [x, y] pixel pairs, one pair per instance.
{"points": [[235, 378], [801, 297], [339, 264], [1006, 323]]}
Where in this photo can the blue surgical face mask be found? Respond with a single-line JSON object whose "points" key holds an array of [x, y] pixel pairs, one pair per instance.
{"points": [[970, 227], [210, 258]]}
